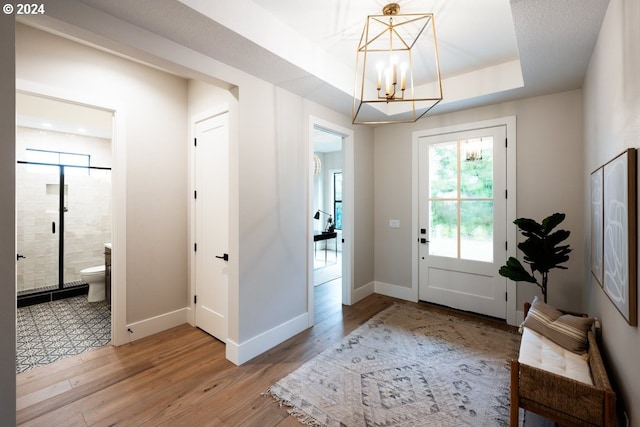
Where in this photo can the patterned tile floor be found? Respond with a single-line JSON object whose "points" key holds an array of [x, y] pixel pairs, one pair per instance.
{"points": [[58, 329]]}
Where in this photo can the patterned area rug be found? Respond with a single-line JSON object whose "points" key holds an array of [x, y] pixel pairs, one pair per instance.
{"points": [[406, 367]]}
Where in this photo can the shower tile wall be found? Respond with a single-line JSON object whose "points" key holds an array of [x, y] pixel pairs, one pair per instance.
{"points": [[87, 216], [87, 222], [35, 212]]}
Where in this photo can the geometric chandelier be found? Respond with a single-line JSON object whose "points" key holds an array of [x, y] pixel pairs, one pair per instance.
{"points": [[397, 68]]}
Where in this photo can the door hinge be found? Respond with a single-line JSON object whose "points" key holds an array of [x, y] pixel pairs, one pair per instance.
{"points": [[506, 296], [195, 299], [506, 194], [506, 245], [195, 142], [506, 142], [195, 194], [195, 247]]}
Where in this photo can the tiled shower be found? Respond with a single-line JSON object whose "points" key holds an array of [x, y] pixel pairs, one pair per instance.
{"points": [[87, 218]]}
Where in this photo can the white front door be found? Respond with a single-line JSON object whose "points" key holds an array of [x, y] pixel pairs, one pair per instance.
{"points": [[212, 225], [462, 217]]}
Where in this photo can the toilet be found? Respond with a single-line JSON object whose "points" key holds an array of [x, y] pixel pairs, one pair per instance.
{"points": [[94, 276]]}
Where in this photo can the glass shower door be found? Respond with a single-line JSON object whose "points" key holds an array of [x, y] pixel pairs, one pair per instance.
{"points": [[87, 224], [37, 218]]}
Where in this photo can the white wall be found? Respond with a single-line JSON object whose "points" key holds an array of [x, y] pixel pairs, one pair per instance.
{"points": [[7, 218], [272, 173], [549, 176], [611, 125], [363, 262]]}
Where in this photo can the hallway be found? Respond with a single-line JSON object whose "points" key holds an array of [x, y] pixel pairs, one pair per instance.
{"points": [[180, 376]]}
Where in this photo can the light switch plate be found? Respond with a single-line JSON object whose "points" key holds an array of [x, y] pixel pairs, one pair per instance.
{"points": [[394, 223]]}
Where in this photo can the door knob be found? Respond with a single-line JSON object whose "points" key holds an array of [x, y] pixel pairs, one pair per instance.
{"points": [[423, 241], [224, 257], [18, 256]]}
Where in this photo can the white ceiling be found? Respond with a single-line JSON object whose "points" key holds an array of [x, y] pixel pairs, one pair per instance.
{"points": [[490, 50], [325, 141], [468, 35], [56, 116]]}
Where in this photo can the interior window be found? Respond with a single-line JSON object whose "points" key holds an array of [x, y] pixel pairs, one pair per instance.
{"points": [[337, 199]]}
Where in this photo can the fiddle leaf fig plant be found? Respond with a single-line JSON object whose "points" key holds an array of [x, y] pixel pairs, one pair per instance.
{"points": [[542, 251]]}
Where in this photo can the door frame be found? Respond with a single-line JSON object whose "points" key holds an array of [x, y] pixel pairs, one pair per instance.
{"points": [[119, 334], [347, 211], [196, 118], [510, 123]]}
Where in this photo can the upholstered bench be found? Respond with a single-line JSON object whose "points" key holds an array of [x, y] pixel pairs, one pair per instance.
{"points": [[567, 387]]}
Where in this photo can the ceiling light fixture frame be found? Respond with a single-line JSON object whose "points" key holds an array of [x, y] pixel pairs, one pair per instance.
{"points": [[399, 95]]}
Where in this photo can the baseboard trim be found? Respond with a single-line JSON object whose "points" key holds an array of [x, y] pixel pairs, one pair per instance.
{"points": [[239, 353], [153, 325], [401, 292], [362, 292]]}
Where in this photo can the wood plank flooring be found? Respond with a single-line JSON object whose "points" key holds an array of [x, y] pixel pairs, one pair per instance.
{"points": [[180, 377]]}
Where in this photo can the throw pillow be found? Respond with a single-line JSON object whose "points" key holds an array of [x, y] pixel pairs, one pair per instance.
{"points": [[565, 330]]}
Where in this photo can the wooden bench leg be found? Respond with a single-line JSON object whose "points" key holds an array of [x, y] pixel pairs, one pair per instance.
{"points": [[514, 403], [609, 408]]}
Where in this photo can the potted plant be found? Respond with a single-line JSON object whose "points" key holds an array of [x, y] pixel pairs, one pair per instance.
{"points": [[542, 251]]}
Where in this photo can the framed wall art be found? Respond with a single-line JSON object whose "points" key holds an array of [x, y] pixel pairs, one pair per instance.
{"points": [[597, 224], [619, 234]]}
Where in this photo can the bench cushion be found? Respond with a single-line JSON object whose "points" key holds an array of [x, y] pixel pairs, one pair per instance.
{"points": [[564, 329], [542, 353]]}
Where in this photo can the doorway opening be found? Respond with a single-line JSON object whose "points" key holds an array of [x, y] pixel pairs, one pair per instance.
{"points": [[63, 229], [328, 165], [330, 210]]}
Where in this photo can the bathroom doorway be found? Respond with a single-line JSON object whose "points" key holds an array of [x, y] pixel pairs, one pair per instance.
{"points": [[63, 229]]}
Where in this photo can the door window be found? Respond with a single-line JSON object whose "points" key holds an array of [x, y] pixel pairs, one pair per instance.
{"points": [[461, 199]]}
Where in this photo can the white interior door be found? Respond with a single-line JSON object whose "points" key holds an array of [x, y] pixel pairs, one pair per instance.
{"points": [[462, 214], [212, 225]]}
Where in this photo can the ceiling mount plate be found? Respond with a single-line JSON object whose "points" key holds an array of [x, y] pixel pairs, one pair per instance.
{"points": [[391, 9]]}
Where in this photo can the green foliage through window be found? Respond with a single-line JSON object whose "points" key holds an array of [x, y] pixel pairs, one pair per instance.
{"points": [[461, 198]]}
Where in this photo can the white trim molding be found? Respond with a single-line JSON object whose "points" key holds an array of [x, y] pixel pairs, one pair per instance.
{"points": [[363, 291], [239, 353], [153, 325], [396, 291]]}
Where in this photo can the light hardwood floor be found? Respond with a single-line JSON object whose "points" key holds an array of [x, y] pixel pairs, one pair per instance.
{"points": [[180, 377]]}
